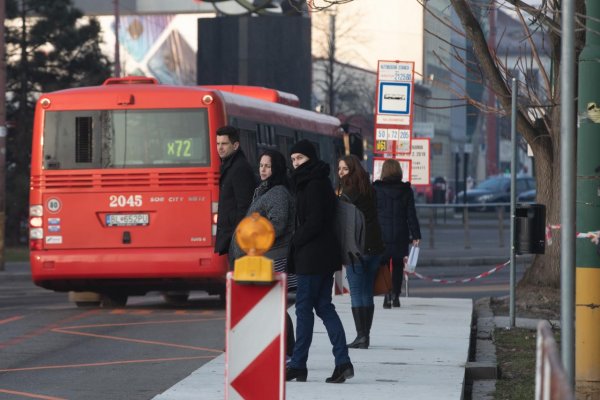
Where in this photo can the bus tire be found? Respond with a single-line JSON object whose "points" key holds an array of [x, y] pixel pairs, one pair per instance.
{"points": [[222, 299], [85, 299], [114, 300], [175, 298]]}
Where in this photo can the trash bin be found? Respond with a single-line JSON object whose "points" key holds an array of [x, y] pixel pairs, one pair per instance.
{"points": [[439, 190], [530, 228]]}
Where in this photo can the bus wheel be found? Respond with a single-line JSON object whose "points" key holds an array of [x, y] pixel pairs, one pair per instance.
{"points": [[114, 300], [175, 298], [85, 299]]}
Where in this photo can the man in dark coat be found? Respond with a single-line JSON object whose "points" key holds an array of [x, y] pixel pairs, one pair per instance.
{"points": [[314, 256], [236, 186]]}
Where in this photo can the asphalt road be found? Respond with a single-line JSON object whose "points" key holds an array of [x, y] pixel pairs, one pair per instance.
{"points": [[50, 349]]}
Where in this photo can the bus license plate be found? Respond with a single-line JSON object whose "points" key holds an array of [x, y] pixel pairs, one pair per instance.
{"points": [[126, 219]]}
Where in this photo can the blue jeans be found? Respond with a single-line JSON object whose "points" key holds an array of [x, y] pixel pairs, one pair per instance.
{"points": [[314, 292], [361, 278]]}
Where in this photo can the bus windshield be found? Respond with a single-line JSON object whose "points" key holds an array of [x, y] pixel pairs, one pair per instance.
{"points": [[125, 139]]}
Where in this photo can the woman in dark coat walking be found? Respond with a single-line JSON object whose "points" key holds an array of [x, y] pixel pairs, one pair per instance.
{"points": [[399, 223], [356, 188], [314, 256]]}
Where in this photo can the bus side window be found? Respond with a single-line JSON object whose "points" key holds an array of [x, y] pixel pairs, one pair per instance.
{"points": [[284, 144], [249, 145], [272, 138]]}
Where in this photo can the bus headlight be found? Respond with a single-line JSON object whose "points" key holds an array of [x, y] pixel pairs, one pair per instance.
{"points": [[215, 216], [36, 233], [35, 222], [36, 211]]}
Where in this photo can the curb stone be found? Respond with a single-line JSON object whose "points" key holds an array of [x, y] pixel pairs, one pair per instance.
{"points": [[483, 372]]}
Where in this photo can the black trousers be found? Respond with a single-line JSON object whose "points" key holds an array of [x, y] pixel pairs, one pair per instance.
{"points": [[289, 327], [396, 255]]}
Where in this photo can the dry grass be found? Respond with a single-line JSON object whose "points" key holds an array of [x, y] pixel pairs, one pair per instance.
{"points": [[515, 352], [516, 348]]}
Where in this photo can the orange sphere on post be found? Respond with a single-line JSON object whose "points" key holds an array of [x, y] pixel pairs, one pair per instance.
{"points": [[255, 235]]}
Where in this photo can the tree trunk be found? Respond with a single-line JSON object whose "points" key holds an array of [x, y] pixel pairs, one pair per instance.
{"points": [[545, 269], [543, 139]]}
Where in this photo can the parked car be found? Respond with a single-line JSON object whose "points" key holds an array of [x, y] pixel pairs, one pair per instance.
{"points": [[495, 189], [527, 196]]}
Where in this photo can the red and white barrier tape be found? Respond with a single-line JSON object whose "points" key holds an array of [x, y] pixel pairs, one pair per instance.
{"points": [[594, 236], [464, 280]]}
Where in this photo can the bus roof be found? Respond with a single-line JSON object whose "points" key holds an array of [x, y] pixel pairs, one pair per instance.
{"points": [[258, 92], [280, 114], [266, 105]]}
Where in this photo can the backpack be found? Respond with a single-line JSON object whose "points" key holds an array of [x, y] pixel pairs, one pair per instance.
{"points": [[350, 228]]}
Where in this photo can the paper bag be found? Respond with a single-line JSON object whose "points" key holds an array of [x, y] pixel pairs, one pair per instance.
{"points": [[413, 257]]}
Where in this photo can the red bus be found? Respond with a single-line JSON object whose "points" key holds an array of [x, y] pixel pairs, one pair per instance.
{"points": [[125, 182]]}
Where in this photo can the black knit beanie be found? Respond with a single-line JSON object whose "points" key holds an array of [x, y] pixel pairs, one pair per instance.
{"points": [[305, 147]]}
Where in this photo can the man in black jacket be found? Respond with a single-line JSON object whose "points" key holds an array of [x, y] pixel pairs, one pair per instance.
{"points": [[314, 256], [236, 186]]}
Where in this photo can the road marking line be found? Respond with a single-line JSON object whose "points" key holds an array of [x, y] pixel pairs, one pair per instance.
{"points": [[30, 395], [175, 321], [11, 319], [45, 329], [141, 312], [102, 364], [141, 341]]}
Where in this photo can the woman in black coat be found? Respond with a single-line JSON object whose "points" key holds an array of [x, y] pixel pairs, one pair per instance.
{"points": [[314, 256], [398, 221], [355, 186]]}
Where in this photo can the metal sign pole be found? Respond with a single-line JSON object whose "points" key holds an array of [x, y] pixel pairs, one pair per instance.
{"points": [[513, 193], [568, 178]]}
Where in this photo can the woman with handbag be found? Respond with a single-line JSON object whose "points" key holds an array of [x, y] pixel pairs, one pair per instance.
{"points": [[399, 223], [354, 185]]}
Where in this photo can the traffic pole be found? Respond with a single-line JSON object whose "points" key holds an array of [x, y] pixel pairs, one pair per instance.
{"points": [[2, 138], [255, 339], [567, 189], [587, 298]]}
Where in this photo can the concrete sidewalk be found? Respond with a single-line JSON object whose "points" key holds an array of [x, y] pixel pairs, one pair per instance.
{"points": [[418, 351]]}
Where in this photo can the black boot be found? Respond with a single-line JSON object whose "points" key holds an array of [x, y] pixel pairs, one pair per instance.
{"points": [[369, 311], [341, 373], [361, 341], [396, 302], [387, 301], [299, 374], [289, 328]]}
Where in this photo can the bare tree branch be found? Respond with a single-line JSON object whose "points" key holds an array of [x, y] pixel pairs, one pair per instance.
{"points": [[488, 63]]}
